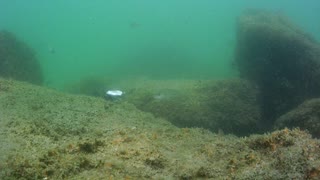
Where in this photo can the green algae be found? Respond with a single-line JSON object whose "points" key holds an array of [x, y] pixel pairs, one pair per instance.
{"points": [[81, 139], [230, 106]]}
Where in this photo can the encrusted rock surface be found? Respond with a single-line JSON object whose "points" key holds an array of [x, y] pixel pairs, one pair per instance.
{"points": [[45, 134], [280, 58], [17, 60], [306, 116]]}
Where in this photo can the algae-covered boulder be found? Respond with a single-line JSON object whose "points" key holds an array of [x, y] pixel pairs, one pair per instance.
{"points": [[280, 58], [233, 106], [306, 116], [17, 60], [230, 105]]}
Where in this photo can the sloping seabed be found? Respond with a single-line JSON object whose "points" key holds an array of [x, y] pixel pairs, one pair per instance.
{"points": [[47, 134]]}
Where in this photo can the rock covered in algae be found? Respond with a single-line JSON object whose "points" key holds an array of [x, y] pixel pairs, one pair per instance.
{"points": [[17, 60], [278, 56], [306, 116], [227, 105], [45, 134]]}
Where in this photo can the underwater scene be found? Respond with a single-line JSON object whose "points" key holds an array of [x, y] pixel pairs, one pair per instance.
{"points": [[171, 89]]}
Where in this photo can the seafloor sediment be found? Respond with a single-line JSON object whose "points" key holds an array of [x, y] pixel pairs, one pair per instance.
{"points": [[45, 134]]}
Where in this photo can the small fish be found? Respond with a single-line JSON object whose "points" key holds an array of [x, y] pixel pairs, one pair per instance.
{"points": [[52, 50], [134, 25]]}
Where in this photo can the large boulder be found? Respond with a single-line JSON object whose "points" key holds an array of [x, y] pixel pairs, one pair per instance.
{"points": [[306, 116], [17, 60], [280, 58], [227, 105]]}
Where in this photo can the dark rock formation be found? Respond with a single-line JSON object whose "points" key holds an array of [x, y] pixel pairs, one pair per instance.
{"points": [[306, 116], [17, 60], [281, 59], [229, 105]]}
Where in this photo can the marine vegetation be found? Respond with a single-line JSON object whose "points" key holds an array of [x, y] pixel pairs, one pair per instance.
{"points": [[280, 58], [17, 60], [227, 105], [306, 116], [80, 138]]}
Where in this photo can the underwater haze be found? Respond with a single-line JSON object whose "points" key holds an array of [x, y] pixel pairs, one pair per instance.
{"points": [[166, 89], [120, 38]]}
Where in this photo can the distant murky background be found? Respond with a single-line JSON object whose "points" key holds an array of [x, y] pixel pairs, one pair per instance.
{"points": [[132, 38]]}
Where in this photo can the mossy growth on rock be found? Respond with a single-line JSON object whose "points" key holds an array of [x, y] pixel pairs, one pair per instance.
{"points": [[90, 147], [17, 60], [233, 106], [306, 116], [280, 58], [227, 105], [124, 143]]}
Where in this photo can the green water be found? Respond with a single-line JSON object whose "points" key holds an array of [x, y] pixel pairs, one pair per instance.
{"points": [[132, 38]]}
